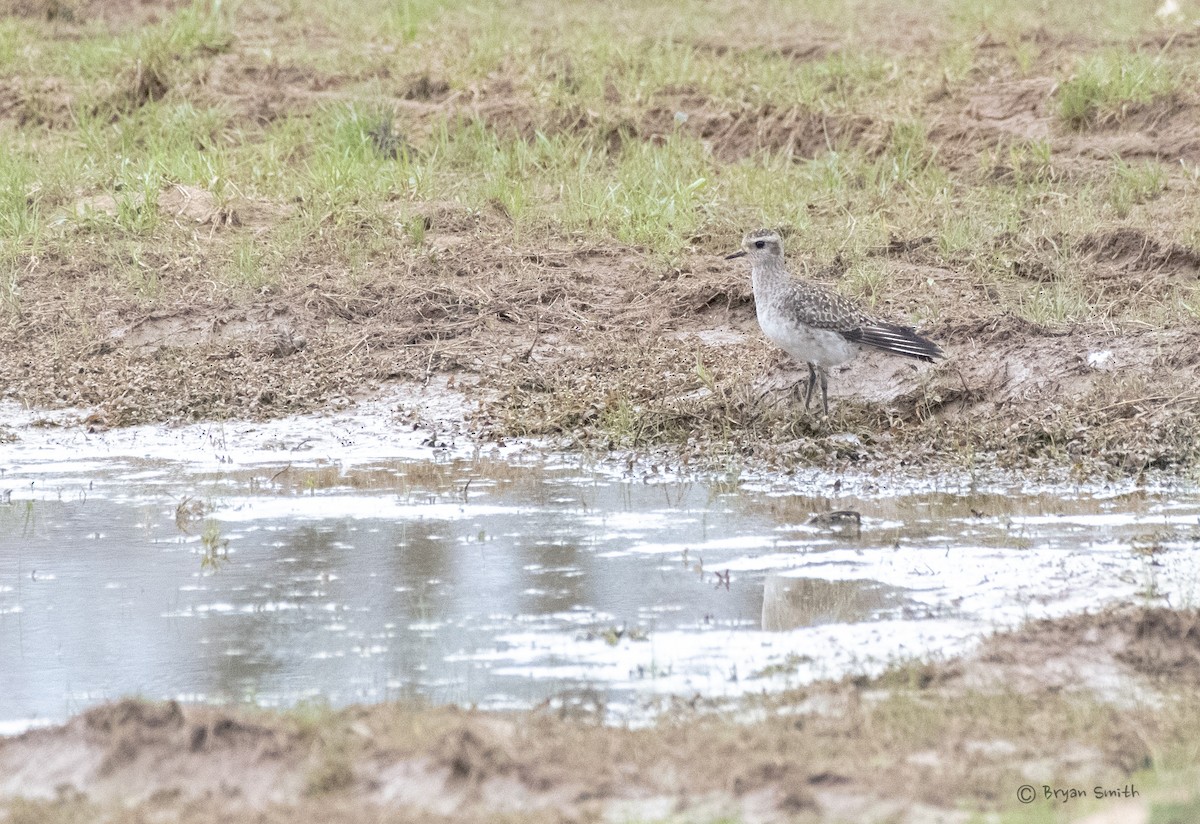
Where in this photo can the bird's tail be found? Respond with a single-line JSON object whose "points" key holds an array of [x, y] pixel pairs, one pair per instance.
{"points": [[900, 340]]}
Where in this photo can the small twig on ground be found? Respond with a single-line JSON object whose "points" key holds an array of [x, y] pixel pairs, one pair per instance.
{"points": [[537, 331], [1163, 399]]}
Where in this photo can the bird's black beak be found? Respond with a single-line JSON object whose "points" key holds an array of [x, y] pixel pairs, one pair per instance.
{"points": [[742, 253]]}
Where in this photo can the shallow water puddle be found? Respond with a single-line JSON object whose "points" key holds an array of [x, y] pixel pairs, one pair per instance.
{"points": [[347, 558]]}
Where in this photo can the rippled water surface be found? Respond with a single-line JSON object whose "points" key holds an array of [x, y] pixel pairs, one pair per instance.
{"points": [[346, 558]]}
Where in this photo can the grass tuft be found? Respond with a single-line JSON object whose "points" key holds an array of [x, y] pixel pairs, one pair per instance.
{"points": [[156, 58], [1107, 87], [1135, 183]]}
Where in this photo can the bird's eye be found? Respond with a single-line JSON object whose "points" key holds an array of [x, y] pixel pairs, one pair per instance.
{"points": [[758, 244]]}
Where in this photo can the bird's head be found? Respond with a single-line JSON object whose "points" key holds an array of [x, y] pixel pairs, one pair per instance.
{"points": [[760, 246]]}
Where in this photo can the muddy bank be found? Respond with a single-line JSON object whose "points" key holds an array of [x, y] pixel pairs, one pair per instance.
{"points": [[599, 349], [923, 743]]}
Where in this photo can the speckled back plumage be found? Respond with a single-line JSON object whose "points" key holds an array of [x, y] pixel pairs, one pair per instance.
{"points": [[814, 305]]}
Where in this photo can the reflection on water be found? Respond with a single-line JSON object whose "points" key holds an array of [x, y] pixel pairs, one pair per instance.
{"points": [[499, 581], [790, 602]]}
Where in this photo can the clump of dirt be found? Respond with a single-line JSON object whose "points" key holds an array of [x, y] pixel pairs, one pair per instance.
{"points": [[388, 142], [1016, 108], [191, 206], [794, 132], [119, 14], [134, 716], [425, 87], [1164, 644], [474, 753], [146, 82], [799, 46], [1166, 130], [195, 205], [1133, 251], [44, 102], [134, 750]]}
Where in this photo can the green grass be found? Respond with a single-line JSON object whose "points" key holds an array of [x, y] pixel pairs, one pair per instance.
{"points": [[147, 130], [1053, 304], [1135, 183], [1008, 19], [250, 267], [1107, 86]]}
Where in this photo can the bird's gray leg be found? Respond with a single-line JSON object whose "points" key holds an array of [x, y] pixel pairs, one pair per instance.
{"points": [[825, 390], [812, 382]]}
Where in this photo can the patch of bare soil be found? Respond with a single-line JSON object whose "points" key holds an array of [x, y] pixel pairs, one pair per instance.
{"points": [[1167, 130], [137, 750], [467, 301], [1065, 699], [1134, 253], [42, 102], [1004, 110], [1125, 399], [260, 89], [1013, 108], [733, 135]]}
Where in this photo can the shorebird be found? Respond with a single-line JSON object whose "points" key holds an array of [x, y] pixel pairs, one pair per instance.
{"points": [[814, 324]]}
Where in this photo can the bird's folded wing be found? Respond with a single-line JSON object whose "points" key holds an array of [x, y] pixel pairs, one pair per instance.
{"points": [[820, 308], [815, 306]]}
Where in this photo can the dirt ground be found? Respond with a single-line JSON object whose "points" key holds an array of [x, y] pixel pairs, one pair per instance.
{"points": [[600, 341], [1089, 701]]}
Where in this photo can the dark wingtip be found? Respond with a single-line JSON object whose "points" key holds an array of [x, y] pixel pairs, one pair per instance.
{"points": [[899, 340]]}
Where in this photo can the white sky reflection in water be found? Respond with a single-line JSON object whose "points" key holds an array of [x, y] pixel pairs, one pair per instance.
{"points": [[362, 566]]}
